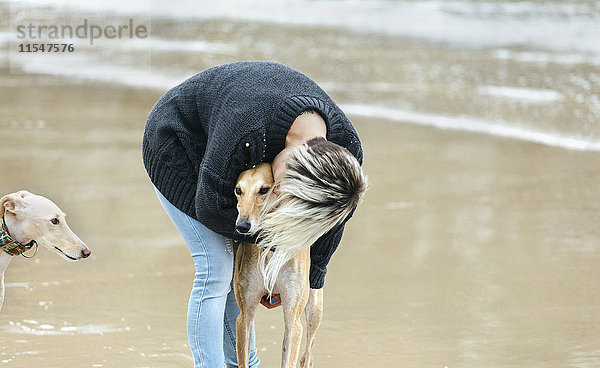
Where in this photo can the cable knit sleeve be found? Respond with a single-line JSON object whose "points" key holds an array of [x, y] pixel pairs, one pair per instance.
{"points": [[321, 252]]}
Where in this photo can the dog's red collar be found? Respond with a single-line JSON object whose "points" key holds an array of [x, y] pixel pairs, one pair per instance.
{"points": [[10, 245]]}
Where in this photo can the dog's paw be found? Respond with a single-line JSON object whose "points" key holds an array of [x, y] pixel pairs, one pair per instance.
{"points": [[305, 363]]}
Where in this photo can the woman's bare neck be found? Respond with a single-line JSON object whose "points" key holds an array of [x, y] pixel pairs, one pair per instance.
{"points": [[307, 125]]}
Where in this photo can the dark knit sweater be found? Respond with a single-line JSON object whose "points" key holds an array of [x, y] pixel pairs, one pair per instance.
{"points": [[204, 132]]}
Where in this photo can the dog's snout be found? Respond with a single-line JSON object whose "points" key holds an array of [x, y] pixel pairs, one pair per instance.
{"points": [[86, 253], [242, 226]]}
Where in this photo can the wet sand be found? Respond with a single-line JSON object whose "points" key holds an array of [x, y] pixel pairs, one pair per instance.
{"points": [[469, 250]]}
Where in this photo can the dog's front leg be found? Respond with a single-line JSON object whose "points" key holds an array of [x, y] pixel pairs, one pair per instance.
{"points": [[243, 325], [293, 302], [291, 340], [4, 261], [247, 286], [314, 314], [1, 289], [244, 336]]}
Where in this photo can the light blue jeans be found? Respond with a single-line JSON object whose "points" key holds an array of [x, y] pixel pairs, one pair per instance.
{"points": [[212, 309]]}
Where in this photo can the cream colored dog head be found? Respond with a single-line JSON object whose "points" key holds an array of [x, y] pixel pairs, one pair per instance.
{"points": [[33, 217], [251, 190]]}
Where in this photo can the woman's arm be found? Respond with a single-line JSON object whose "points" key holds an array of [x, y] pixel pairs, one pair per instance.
{"points": [[321, 252]]}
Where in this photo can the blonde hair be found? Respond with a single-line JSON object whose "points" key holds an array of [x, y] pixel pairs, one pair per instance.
{"points": [[322, 185]]}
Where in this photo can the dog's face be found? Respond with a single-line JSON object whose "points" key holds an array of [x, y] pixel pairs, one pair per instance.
{"points": [[32, 217], [251, 190]]}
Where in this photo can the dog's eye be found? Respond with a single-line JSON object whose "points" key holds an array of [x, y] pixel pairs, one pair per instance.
{"points": [[54, 221], [263, 191], [238, 191]]}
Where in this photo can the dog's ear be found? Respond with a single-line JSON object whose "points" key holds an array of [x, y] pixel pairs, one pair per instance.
{"points": [[11, 202], [24, 193]]}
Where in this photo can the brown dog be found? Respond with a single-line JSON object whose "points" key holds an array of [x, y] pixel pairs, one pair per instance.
{"points": [[292, 282]]}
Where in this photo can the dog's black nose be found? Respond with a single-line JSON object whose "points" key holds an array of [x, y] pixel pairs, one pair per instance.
{"points": [[86, 253], [242, 226]]}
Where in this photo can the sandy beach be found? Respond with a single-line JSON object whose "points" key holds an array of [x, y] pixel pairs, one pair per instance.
{"points": [[470, 250]]}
